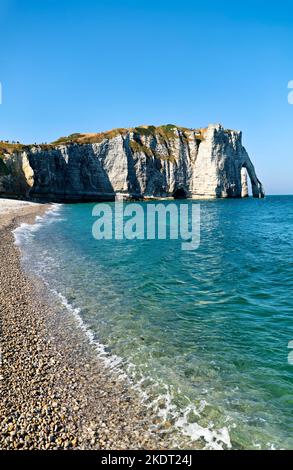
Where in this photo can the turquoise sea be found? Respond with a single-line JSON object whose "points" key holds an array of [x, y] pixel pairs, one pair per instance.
{"points": [[203, 335]]}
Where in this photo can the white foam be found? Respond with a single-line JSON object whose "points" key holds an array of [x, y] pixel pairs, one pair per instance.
{"points": [[214, 439], [25, 231], [112, 361]]}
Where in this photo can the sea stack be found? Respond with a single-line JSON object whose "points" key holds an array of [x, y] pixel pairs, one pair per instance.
{"points": [[138, 163]]}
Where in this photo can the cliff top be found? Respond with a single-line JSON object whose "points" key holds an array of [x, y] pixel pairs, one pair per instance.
{"points": [[165, 132]]}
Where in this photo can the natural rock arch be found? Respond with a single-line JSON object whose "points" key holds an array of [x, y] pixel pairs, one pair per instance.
{"points": [[247, 170]]}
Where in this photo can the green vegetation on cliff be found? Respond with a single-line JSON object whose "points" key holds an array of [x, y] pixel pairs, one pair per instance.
{"points": [[160, 134], [90, 138], [10, 148], [165, 132], [137, 146]]}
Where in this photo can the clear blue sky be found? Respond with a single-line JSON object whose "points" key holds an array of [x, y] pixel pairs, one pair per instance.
{"points": [[85, 66]]}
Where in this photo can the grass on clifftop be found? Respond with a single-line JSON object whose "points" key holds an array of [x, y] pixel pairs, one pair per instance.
{"points": [[6, 147], [166, 132], [162, 133], [90, 138]]}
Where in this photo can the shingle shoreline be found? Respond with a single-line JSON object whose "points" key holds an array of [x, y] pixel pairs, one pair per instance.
{"points": [[55, 392]]}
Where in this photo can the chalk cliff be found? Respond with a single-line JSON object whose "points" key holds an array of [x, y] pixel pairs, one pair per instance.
{"points": [[142, 162]]}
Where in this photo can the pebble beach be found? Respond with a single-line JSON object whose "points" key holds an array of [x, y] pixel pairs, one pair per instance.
{"points": [[55, 392]]}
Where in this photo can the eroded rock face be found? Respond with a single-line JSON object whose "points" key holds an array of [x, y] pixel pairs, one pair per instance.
{"points": [[137, 164], [17, 176]]}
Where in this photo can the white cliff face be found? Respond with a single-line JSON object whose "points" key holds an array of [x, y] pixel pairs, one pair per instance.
{"points": [[139, 163], [218, 170]]}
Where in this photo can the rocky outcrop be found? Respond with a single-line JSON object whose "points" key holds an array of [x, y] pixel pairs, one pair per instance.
{"points": [[143, 162], [16, 175]]}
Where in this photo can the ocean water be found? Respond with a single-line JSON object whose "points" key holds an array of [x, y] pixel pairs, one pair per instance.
{"points": [[203, 335]]}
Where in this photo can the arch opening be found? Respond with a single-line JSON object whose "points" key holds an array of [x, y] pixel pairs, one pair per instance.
{"points": [[247, 172], [244, 182], [180, 193]]}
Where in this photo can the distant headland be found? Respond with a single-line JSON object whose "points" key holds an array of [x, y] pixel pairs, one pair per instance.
{"points": [[137, 163]]}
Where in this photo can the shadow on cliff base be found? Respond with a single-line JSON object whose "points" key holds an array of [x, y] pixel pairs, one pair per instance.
{"points": [[179, 193], [82, 178]]}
